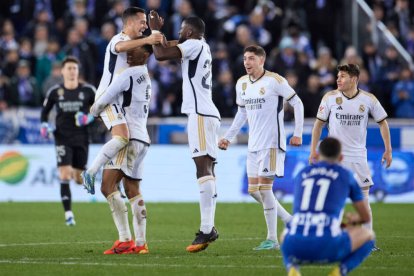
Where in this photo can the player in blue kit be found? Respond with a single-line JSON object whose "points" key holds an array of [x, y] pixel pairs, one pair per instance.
{"points": [[314, 234]]}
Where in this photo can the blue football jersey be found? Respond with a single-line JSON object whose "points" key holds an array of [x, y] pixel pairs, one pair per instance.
{"points": [[320, 194]]}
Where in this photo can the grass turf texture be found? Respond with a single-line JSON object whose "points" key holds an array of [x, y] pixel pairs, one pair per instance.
{"points": [[34, 240]]}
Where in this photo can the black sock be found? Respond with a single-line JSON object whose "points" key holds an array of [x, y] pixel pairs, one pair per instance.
{"points": [[66, 195]]}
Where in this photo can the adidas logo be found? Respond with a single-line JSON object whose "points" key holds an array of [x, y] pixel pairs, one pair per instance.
{"points": [[265, 170], [339, 108], [195, 151], [366, 180], [110, 163]]}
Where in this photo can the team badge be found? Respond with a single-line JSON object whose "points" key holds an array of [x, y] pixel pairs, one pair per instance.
{"points": [[339, 100], [60, 93], [262, 91], [361, 108], [119, 116], [81, 96], [244, 86]]}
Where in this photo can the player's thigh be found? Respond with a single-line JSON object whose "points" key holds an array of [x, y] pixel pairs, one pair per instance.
{"points": [[252, 165], [203, 135], [112, 116], [300, 249], [362, 171], [271, 163], [64, 155]]}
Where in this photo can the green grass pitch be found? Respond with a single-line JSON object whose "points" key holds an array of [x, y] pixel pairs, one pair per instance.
{"points": [[35, 241]]}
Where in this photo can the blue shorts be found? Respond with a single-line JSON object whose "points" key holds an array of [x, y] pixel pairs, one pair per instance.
{"points": [[299, 249]]}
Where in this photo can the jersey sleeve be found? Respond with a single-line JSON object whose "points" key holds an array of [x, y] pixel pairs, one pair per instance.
{"points": [[284, 89], [119, 85], [190, 48], [114, 41], [355, 193], [378, 112], [323, 110], [48, 104]]}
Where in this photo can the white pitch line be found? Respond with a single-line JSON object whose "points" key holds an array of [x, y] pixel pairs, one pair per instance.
{"points": [[117, 264], [95, 242]]}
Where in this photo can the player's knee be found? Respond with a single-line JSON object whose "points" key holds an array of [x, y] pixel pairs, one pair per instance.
{"points": [[105, 191]]}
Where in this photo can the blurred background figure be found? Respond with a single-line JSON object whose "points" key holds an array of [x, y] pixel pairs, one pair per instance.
{"points": [[403, 95]]}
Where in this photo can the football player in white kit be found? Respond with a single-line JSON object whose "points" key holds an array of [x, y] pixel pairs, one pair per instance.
{"points": [[346, 110], [135, 23], [203, 116], [260, 96], [132, 90]]}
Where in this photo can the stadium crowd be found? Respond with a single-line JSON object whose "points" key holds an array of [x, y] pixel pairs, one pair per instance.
{"points": [[303, 40]]}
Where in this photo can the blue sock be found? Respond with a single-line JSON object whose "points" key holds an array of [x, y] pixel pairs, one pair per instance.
{"points": [[356, 257]]}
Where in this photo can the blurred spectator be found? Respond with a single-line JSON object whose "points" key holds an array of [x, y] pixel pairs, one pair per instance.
{"points": [[80, 50], [371, 60], [300, 42], [220, 61], [364, 82], [236, 48], [54, 78], [183, 10], [224, 94], [86, 37], [293, 80], [9, 64], [273, 18], [41, 18], [401, 18], [77, 11], [114, 15], [311, 96], [410, 42], [45, 62], [26, 52], [351, 57], [286, 59], [23, 88], [259, 33], [41, 38], [325, 68], [7, 38], [3, 87], [403, 95]]}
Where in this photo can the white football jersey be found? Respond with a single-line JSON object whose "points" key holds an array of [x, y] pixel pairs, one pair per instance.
{"points": [[348, 118], [263, 100], [133, 87], [114, 63], [197, 75]]}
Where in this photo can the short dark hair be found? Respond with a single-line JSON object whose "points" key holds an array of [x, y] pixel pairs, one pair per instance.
{"points": [[129, 12], [330, 148], [351, 69], [196, 23], [70, 59], [255, 49]]}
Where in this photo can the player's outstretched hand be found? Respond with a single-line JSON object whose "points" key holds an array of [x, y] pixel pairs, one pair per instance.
{"points": [[387, 158], [295, 141], [46, 130], [155, 22], [223, 144], [154, 39], [313, 157], [82, 119]]}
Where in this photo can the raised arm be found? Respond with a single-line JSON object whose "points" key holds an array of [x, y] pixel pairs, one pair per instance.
{"points": [[153, 39]]}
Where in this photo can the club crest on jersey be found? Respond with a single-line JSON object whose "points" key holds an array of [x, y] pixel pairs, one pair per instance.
{"points": [[60, 93], [262, 91], [81, 96], [244, 86], [119, 116], [339, 100], [361, 108]]}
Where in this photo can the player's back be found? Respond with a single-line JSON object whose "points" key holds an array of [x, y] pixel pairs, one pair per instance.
{"points": [[320, 194], [197, 76], [114, 63]]}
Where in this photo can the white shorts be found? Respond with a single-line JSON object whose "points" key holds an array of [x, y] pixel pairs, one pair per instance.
{"points": [[129, 160], [113, 115], [361, 169], [266, 163], [202, 135]]}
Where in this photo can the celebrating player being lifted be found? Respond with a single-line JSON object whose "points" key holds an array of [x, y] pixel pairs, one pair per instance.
{"points": [[260, 95], [314, 236], [135, 23], [203, 116], [346, 110], [132, 89], [72, 101]]}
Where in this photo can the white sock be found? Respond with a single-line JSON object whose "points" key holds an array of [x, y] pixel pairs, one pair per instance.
{"points": [[270, 212], [282, 213], [207, 187], [120, 215], [107, 152], [69, 214], [254, 192], [139, 221]]}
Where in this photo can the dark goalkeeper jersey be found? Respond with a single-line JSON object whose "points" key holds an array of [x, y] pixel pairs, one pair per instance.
{"points": [[67, 102]]}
